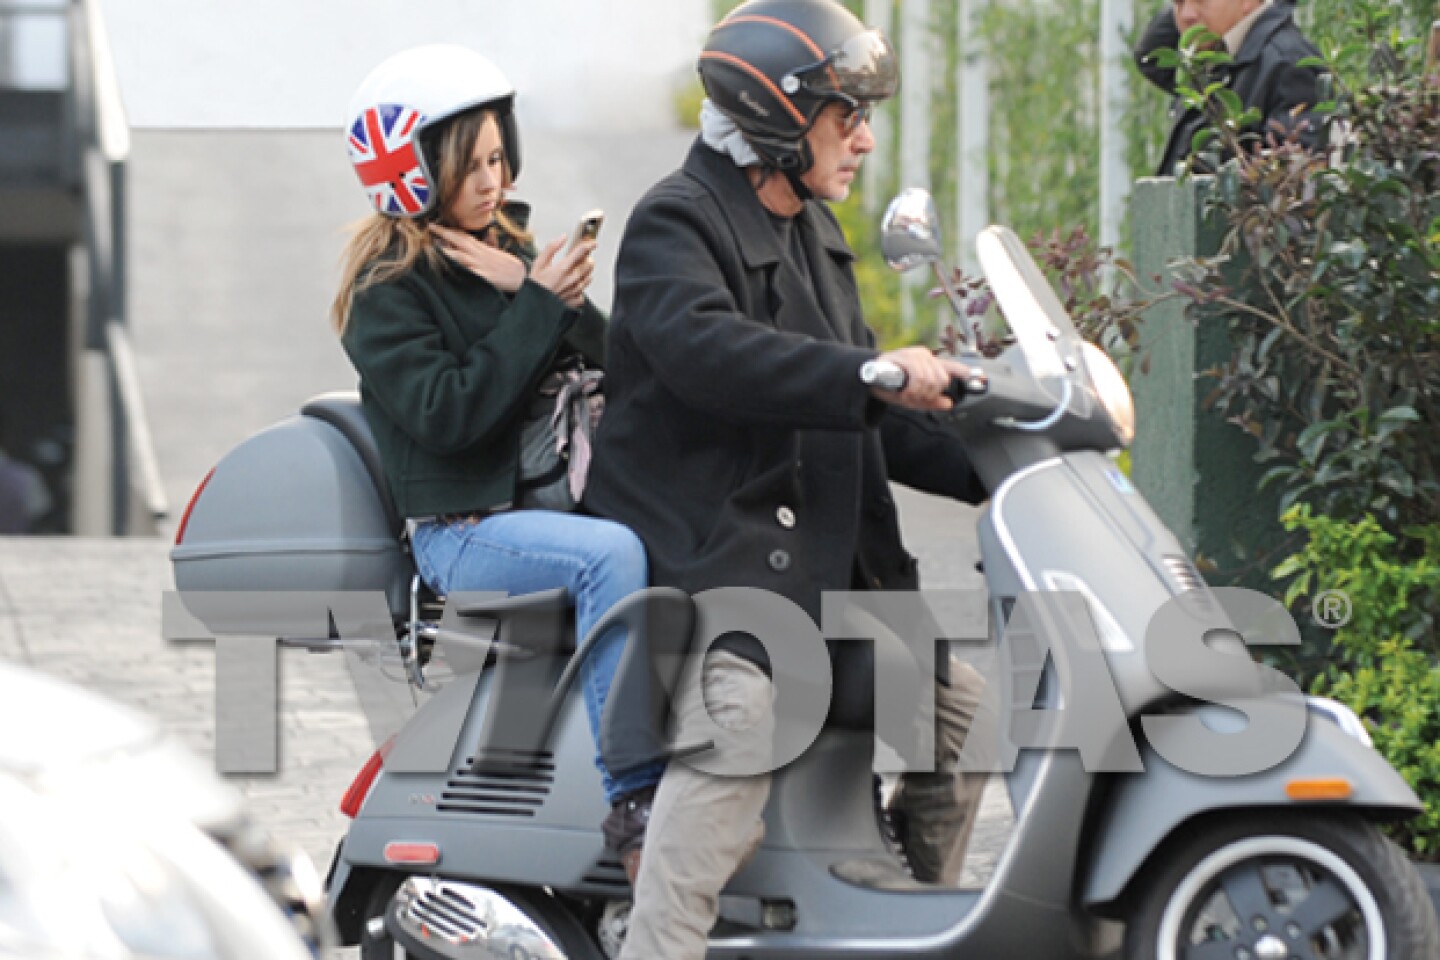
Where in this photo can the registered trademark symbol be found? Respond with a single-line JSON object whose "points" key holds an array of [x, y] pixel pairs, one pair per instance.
{"points": [[1332, 609]]}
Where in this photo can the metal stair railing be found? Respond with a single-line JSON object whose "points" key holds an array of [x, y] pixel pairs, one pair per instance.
{"points": [[139, 500]]}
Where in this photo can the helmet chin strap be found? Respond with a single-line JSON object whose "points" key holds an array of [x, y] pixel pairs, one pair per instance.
{"points": [[798, 185], [792, 163], [802, 160]]}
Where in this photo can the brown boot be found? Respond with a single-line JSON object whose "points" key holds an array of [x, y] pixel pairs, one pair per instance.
{"points": [[934, 824], [624, 828]]}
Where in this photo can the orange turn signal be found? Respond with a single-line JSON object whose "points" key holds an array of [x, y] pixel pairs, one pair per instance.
{"points": [[1333, 788]]}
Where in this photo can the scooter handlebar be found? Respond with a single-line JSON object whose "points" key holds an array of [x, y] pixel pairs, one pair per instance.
{"points": [[893, 379]]}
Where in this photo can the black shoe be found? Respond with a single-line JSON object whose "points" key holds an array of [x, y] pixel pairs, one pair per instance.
{"points": [[624, 828]]}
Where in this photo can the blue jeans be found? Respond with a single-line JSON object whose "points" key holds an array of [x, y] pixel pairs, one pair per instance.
{"points": [[599, 562]]}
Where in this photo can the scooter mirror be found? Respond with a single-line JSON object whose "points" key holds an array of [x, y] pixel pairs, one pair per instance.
{"points": [[910, 230]]}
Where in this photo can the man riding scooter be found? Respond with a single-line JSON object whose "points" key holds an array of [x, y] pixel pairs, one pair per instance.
{"points": [[742, 376]]}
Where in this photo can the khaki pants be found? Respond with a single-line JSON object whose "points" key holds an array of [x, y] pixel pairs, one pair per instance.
{"points": [[704, 827]]}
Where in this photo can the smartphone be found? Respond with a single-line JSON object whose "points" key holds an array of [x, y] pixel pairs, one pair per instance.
{"points": [[587, 229]]}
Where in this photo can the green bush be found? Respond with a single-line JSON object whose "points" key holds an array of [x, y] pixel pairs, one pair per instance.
{"points": [[1044, 115], [1045, 73], [1328, 279], [880, 290], [1349, 33], [1099, 290], [688, 99], [1386, 669]]}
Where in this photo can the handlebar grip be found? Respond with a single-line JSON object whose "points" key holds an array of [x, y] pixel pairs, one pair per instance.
{"points": [[956, 390]]}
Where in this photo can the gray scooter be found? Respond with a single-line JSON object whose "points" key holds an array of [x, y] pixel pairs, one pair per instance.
{"points": [[460, 853]]}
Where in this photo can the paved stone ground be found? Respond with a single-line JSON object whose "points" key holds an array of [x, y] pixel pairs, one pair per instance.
{"points": [[89, 611]]}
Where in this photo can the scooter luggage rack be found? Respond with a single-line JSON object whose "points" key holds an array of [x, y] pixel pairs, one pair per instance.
{"points": [[421, 630], [415, 637], [418, 632]]}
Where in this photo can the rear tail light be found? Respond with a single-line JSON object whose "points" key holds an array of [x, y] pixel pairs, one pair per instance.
{"points": [[354, 798], [194, 499], [412, 854]]}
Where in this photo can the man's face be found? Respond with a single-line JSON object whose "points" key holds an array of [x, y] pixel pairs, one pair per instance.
{"points": [[839, 140], [1218, 16]]}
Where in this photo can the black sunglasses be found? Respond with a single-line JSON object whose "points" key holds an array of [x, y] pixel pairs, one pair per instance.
{"points": [[858, 114]]}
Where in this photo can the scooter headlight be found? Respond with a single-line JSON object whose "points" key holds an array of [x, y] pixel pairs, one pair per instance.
{"points": [[1112, 391]]}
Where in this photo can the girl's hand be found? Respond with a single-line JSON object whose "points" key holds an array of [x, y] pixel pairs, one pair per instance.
{"points": [[504, 271], [565, 276]]}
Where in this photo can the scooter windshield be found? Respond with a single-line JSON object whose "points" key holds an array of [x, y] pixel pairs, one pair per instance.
{"points": [[1043, 330]]}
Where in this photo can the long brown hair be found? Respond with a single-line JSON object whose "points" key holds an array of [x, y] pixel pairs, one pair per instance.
{"points": [[382, 248]]}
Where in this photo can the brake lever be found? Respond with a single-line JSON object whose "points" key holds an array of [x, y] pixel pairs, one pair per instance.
{"points": [[973, 384]]}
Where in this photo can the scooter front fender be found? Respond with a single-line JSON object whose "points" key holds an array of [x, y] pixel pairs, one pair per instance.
{"points": [[1142, 810]]}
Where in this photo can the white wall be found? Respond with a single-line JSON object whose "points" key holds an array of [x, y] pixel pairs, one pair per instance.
{"points": [[578, 64]]}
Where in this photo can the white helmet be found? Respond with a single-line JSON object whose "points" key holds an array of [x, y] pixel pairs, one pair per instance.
{"points": [[407, 93]]}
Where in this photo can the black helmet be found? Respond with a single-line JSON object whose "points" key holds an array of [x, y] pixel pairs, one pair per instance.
{"points": [[771, 66]]}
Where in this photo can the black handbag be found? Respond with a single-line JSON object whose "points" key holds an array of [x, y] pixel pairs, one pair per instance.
{"points": [[555, 440]]}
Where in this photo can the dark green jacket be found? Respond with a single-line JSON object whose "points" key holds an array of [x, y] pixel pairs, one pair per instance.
{"points": [[448, 364]]}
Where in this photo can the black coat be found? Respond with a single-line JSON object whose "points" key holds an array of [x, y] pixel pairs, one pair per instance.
{"points": [[738, 441], [1265, 74]]}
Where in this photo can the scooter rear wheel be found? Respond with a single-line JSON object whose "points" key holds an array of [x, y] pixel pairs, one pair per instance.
{"points": [[1282, 887]]}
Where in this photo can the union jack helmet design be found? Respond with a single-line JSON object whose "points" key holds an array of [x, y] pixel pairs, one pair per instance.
{"points": [[406, 94]]}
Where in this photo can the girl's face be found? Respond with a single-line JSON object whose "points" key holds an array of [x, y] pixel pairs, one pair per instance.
{"points": [[481, 186]]}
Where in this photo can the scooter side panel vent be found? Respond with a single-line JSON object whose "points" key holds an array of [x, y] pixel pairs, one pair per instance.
{"points": [[500, 784], [1192, 586], [1184, 574]]}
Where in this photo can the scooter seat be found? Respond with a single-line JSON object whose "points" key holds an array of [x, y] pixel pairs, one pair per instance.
{"points": [[342, 411]]}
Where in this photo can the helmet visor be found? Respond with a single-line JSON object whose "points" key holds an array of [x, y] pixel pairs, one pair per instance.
{"points": [[862, 69]]}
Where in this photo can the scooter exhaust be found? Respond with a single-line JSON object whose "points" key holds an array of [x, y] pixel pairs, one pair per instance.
{"points": [[464, 921]]}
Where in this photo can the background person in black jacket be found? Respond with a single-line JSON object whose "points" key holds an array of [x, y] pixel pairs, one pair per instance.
{"points": [[1267, 47], [742, 440]]}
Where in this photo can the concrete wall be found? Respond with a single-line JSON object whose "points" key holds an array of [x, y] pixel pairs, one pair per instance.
{"points": [[294, 63]]}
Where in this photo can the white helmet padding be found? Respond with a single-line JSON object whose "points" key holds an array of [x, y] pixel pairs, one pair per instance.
{"points": [[407, 93]]}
